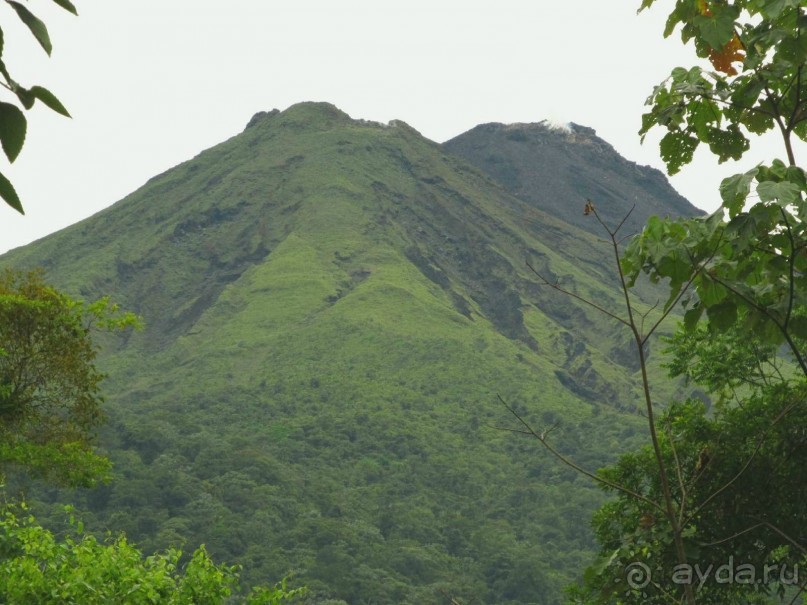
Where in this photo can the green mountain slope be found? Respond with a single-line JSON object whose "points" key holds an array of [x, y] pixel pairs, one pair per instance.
{"points": [[332, 308]]}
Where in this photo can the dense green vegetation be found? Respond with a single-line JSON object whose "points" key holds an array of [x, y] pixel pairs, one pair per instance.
{"points": [[39, 568], [50, 404], [331, 308]]}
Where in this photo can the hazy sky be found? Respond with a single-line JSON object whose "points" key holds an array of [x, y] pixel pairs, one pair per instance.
{"points": [[151, 83]]}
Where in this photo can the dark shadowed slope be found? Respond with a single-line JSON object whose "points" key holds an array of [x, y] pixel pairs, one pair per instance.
{"points": [[557, 168]]}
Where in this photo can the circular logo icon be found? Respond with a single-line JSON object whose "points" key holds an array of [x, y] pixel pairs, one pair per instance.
{"points": [[637, 575]]}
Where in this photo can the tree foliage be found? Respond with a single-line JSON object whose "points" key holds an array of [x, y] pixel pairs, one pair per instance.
{"points": [[13, 123], [738, 472], [740, 486], [757, 51], [50, 402], [36, 567]]}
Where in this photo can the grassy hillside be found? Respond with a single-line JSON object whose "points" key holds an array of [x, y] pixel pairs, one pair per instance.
{"points": [[332, 308]]}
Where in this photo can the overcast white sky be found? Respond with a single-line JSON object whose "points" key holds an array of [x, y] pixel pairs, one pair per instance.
{"points": [[151, 83]]}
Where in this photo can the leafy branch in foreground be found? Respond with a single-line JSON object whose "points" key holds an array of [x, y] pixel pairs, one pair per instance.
{"points": [[38, 568], [758, 53], [13, 123], [740, 471]]}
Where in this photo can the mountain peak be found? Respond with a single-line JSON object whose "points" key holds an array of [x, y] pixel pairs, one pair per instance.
{"points": [[308, 115], [542, 132], [260, 117], [556, 167]]}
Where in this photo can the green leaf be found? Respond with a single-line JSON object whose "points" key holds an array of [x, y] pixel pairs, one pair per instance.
{"points": [[798, 325], [645, 4], [36, 26], [12, 130], [796, 175], [778, 170], [717, 29], [722, 316], [765, 330], [9, 195], [735, 189], [710, 292], [49, 99], [757, 122], [692, 316], [600, 564], [677, 148], [702, 114], [682, 13], [67, 5], [784, 193], [801, 130], [679, 74], [746, 91], [792, 50], [727, 144], [773, 8]]}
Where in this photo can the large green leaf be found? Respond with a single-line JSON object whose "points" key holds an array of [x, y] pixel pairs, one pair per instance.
{"points": [[677, 149], [756, 121], [746, 91], [36, 26], [727, 144], [784, 192], [735, 189], [722, 315], [801, 130], [12, 130], [702, 115], [692, 316], [9, 195], [710, 292], [716, 29], [773, 8]]}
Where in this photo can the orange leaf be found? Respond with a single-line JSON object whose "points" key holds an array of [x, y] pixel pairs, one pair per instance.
{"points": [[732, 52]]}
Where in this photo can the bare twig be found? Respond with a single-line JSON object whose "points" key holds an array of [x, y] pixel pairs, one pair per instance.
{"points": [[679, 474], [542, 437], [556, 286]]}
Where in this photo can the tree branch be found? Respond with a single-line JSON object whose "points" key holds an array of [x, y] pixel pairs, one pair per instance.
{"points": [[557, 287], [542, 437]]}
